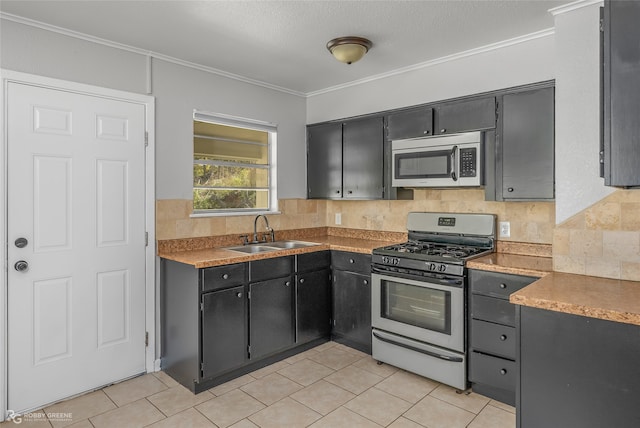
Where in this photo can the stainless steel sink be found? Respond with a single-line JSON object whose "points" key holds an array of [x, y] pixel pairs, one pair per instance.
{"points": [[290, 244], [252, 248], [270, 246]]}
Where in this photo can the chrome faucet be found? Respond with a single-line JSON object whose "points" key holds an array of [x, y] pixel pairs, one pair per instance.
{"points": [[269, 229]]}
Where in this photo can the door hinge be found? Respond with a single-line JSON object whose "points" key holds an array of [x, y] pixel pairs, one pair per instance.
{"points": [[146, 138], [202, 369], [146, 339], [249, 351], [602, 25], [249, 294], [201, 306], [146, 239]]}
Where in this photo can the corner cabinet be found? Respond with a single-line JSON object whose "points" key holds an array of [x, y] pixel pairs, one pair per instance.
{"points": [[620, 146], [346, 160]]}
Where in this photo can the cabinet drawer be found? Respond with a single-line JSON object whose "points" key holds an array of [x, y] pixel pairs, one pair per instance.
{"points": [[215, 278], [497, 284], [352, 262], [313, 261], [493, 310], [277, 267], [492, 371], [493, 339]]}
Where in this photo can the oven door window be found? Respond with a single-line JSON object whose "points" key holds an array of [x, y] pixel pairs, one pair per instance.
{"points": [[426, 164], [420, 306]]}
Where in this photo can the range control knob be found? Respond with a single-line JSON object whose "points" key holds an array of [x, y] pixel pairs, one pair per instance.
{"points": [[442, 268], [432, 266]]}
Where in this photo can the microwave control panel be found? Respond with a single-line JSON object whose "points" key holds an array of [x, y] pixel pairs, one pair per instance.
{"points": [[468, 162]]}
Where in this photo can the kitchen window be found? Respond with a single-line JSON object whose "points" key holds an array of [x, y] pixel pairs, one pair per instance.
{"points": [[233, 165]]}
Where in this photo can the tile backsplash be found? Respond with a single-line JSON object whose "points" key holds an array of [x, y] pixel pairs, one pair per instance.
{"points": [[530, 221], [603, 240]]}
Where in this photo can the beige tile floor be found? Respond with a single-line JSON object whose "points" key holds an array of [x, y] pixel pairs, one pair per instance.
{"points": [[328, 386]]}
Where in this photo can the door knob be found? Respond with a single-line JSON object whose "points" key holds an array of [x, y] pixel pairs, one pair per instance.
{"points": [[21, 266], [21, 242]]}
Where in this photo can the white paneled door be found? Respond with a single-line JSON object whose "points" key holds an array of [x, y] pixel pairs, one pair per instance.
{"points": [[76, 243]]}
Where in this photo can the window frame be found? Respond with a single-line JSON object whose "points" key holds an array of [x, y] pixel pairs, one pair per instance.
{"points": [[239, 122]]}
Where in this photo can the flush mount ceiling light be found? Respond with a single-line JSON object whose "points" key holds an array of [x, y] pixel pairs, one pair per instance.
{"points": [[349, 49]]}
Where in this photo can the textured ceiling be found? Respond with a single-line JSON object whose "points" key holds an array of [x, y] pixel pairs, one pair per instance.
{"points": [[282, 43]]}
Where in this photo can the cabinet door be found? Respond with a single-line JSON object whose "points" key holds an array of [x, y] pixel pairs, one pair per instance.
{"points": [[527, 145], [271, 316], [324, 161], [313, 305], [352, 308], [410, 124], [621, 72], [362, 162], [462, 116], [224, 330]]}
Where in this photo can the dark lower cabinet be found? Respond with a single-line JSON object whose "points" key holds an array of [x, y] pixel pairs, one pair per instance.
{"points": [[313, 305], [271, 316], [492, 333], [224, 330], [352, 300], [576, 371]]}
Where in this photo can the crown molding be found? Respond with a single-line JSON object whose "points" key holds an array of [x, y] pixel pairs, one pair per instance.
{"points": [[133, 49], [573, 6], [483, 49]]}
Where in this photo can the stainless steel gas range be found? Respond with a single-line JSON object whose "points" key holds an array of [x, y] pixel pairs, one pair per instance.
{"points": [[418, 294]]}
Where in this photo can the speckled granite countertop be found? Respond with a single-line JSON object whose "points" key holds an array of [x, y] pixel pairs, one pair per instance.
{"points": [[602, 298], [589, 296], [216, 256], [517, 264]]}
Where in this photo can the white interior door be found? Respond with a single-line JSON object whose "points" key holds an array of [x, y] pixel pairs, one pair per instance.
{"points": [[76, 218]]}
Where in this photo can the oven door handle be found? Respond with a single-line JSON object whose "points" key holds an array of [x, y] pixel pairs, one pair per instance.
{"points": [[422, 351]]}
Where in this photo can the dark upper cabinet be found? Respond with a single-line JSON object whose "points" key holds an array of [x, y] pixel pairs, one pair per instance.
{"points": [[525, 146], [412, 123], [324, 161], [462, 116], [620, 148], [362, 159], [346, 160]]}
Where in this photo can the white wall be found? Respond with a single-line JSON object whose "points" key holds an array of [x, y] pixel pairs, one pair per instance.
{"points": [[178, 90], [525, 62], [578, 184]]}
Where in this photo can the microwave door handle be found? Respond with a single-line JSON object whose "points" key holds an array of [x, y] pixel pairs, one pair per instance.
{"points": [[454, 163]]}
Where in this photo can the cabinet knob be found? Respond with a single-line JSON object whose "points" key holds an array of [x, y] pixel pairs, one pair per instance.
{"points": [[443, 130], [503, 337], [288, 283], [225, 276], [338, 191], [350, 192], [239, 294], [366, 282], [503, 371], [301, 280], [510, 189], [503, 286], [351, 261], [426, 132]]}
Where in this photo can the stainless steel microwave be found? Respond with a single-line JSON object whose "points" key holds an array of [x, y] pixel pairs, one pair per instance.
{"points": [[454, 160]]}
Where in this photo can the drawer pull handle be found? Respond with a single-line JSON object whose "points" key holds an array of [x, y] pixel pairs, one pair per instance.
{"points": [[503, 371], [503, 286], [503, 337], [301, 280], [239, 294], [225, 276], [288, 283], [366, 282], [351, 261]]}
